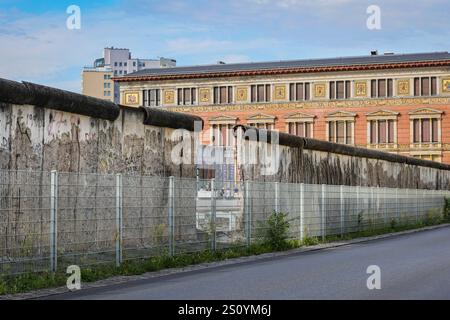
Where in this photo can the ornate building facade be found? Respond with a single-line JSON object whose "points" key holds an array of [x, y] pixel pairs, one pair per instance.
{"points": [[396, 103]]}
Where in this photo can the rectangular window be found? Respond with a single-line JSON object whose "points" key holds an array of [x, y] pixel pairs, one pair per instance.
{"points": [[194, 95], [260, 93], [426, 130], [382, 131], [292, 128], [390, 88], [340, 90], [216, 95], [349, 134], [382, 138], [340, 132], [416, 86], [180, 96], [151, 98], [435, 130], [331, 128], [307, 91], [223, 95], [373, 132], [381, 88], [433, 86], [301, 129], [253, 93], [187, 96], [299, 91], [144, 97], [332, 90], [373, 88], [416, 129], [425, 86], [347, 90], [391, 128]]}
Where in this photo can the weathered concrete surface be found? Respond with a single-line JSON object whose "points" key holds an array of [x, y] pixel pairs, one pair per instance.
{"points": [[34, 138], [309, 161]]}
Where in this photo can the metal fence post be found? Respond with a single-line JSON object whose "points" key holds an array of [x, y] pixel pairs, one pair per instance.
{"points": [[119, 219], [397, 207], [302, 210], [341, 196], [417, 205], [372, 206], [248, 214], [277, 196], [323, 213], [54, 221], [171, 222], [213, 215]]}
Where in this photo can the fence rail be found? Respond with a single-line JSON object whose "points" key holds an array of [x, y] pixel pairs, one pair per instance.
{"points": [[50, 220]]}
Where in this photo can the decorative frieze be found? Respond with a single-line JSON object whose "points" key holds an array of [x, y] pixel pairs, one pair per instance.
{"points": [[317, 104]]}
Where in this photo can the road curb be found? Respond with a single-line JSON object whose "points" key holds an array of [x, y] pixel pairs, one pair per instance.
{"points": [[211, 265]]}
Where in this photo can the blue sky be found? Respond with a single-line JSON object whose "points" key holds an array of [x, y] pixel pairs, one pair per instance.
{"points": [[37, 46]]}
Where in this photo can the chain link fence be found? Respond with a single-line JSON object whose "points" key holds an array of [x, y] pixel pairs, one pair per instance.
{"points": [[50, 220]]}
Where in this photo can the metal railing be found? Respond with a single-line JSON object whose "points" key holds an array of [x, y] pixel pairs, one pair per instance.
{"points": [[50, 220]]}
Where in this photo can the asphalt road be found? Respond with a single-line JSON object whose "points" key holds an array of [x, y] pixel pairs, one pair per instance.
{"points": [[414, 266]]}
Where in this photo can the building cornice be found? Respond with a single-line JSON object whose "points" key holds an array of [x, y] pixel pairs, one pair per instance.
{"points": [[283, 71]]}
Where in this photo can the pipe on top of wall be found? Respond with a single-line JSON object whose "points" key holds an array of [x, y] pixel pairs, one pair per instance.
{"points": [[46, 97], [284, 139], [27, 93], [169, 119]]}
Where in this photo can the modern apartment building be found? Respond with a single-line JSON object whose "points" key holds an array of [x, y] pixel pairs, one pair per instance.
{"points": [[120, 63], [97, 82], [398, 103]]}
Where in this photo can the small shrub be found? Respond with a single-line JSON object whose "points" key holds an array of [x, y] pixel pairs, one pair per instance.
{"points": [[447, 209], [393, 224], [277, 228], [310, 241]]}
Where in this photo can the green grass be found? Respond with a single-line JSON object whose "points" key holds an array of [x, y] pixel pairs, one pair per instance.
{"points": [[35, 281]]}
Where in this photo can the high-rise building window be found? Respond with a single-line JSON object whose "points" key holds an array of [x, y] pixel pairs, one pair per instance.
{"points": [[120, 64], [223, 95], [260, 93], [125, 64], [152, 98], [425, 86], [134, 63], [187, 96], [299, 91], [340, 89], [382, 88], [115, 64]]}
